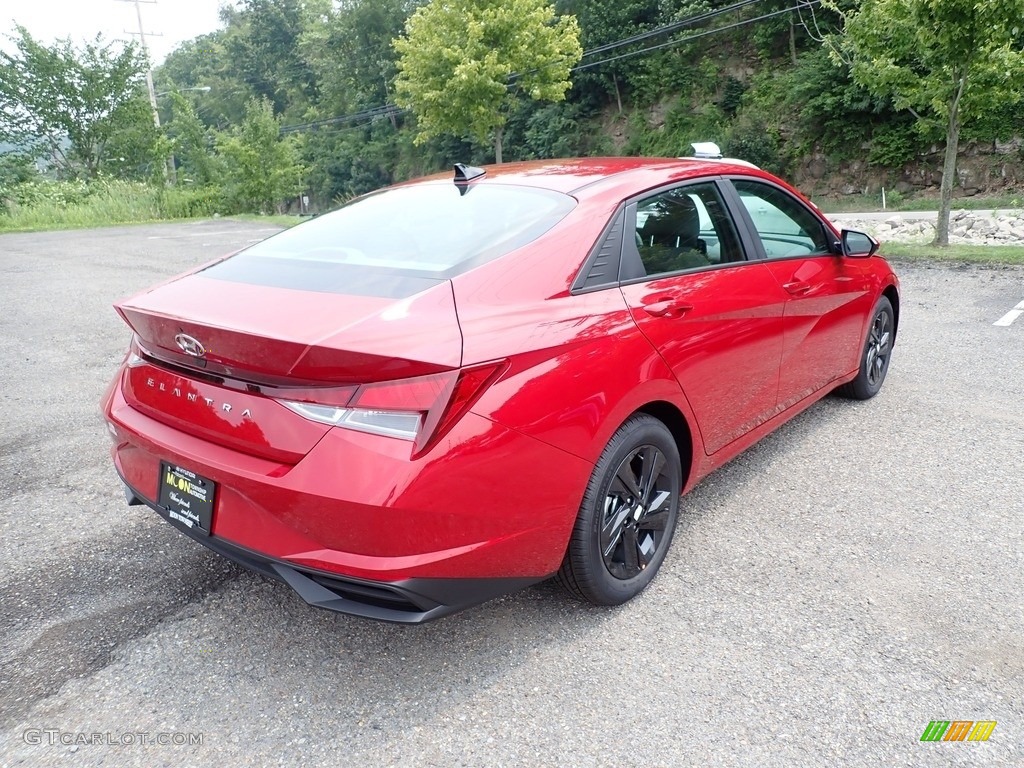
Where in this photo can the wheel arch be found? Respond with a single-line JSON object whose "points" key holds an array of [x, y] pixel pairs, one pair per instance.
{"points": [[893, 296], [669, 415]]}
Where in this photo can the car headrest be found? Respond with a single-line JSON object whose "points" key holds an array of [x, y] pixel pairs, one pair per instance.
{"points": [[674, 218]]}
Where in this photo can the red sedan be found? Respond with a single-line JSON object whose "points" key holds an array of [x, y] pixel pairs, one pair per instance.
{"points": [[453, 388]]}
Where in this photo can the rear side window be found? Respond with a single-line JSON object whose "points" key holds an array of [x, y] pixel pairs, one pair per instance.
{"points": [[685, 228], [400, 241]]}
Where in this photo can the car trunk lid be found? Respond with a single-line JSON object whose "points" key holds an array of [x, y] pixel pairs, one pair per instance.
{"points": [[215, 355]]}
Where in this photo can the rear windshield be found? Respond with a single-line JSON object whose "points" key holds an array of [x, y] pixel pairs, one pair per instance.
{"points": [[400, 241]]}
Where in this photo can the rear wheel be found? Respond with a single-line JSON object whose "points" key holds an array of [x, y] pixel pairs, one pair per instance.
{"points": [[874, 361], [627, 517]]}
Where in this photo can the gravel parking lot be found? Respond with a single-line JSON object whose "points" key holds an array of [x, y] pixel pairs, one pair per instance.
{"points": [[851, 578]]}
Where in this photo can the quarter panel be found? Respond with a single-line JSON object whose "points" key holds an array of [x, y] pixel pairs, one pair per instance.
{"points": [[578, 368]]}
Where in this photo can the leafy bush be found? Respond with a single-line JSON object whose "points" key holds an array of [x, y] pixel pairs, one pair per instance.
{"points": [[894, 143], [191, 202], [815, 105], [683, 125], [893, 198], [74, 204], [551, 132], [42, 192], [732, 95], [15, 169], [753, 141]]}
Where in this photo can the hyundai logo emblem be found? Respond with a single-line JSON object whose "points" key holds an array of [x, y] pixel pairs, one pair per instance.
{"points": [[189, 345]]}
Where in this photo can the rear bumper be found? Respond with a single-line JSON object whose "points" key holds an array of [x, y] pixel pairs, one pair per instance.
{"points": [[410, 601], [359, 526]]}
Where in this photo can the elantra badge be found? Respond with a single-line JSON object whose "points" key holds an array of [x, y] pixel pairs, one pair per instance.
{"points": [[189, 345]]}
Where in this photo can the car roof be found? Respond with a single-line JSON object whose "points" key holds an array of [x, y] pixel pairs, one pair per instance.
{"points": [[593, 176]]}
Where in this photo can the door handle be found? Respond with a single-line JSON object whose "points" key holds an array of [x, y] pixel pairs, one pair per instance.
{"points": [[667, 308], [797, 287]]}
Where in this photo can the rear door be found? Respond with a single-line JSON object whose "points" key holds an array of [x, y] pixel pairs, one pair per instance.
{"points": [[715, 317], [829, 296]]}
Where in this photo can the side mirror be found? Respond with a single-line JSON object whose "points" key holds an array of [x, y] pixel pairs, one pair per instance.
{"points": [[858, 244]]}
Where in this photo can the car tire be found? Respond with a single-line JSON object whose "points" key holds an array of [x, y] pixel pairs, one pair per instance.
{"points": [[625, 522], [874, 359]]}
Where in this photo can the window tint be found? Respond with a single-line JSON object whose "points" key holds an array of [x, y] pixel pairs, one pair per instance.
{"points": [[685, 228], [785, 226], [423, 232]]}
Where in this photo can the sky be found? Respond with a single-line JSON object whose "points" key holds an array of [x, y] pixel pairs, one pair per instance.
{"points": [[48, 20]]}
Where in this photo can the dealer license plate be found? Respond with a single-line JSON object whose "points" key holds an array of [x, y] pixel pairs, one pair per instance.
{"points": [[186, 497]]}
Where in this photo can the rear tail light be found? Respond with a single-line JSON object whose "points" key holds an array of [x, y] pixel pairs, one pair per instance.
{"points": [[421, 410]]}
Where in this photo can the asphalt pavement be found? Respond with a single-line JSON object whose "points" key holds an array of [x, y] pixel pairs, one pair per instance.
{"points": [[851, 578]]}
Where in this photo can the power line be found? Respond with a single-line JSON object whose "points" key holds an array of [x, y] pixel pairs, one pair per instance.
{"points": [[697, 35], [391, 109], [669, 28], [385, 110], [657, 32]]}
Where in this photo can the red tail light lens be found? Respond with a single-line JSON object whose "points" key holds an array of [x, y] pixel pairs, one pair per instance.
{"points": [[471, 383], [421, 409]]}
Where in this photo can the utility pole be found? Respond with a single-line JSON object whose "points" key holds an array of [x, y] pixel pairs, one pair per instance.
{"points": [[169, 170]]}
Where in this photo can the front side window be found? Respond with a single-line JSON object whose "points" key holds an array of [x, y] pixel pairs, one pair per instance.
{"points": [[785, 227], [685, 228]]}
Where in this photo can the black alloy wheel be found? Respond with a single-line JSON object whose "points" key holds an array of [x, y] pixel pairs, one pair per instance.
{"points": [[636, 511], [628, 515], [876, 358]]}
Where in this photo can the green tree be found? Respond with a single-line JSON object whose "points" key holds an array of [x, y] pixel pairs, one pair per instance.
{"points": [[462, 61], [205, 62], [351, 54], [606, 21], [946, 61], [263, 167], [258, 53], [15, 170], [193, 144], [84, 108], [262, 47]]}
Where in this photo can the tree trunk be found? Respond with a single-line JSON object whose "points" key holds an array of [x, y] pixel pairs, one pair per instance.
{"points": [[949, 167], [618, 94], [497, 145], [792, 40]]}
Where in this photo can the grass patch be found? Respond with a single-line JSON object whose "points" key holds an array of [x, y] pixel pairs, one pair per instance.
{"points": [[963, 254], [98, 209], [74, 205]]}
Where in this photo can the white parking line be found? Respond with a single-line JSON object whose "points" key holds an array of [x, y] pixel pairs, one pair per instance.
{"points": [[207, 234], [1010, 316]]}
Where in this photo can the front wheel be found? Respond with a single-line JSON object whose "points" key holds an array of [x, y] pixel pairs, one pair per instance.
{"points": [[627, 517], [874, 362]]}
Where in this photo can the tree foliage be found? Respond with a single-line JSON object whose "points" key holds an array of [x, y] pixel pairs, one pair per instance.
{"points": [[463, 61], [946, 61], [193, 145], [484, 70], [605, 21], [263, 48], [351, 52], [263, 167], [84, 109]]}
